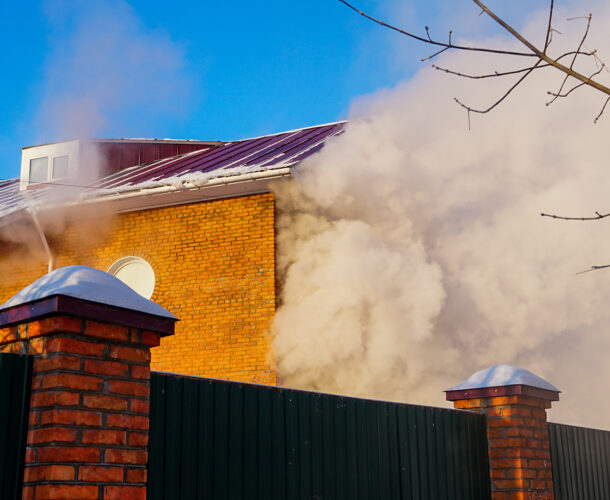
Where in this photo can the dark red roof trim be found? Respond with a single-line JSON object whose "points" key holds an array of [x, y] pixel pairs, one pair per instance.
{"points": [[507, 390], [62, 304]]}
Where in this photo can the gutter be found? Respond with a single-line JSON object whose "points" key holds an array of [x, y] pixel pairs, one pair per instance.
{"points": [[167, 195], [214, 182]]}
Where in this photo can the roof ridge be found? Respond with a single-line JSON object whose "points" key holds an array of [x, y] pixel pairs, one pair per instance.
{"points": [[289, 131]]}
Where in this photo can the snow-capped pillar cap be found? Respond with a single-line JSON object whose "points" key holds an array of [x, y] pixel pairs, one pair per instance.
{"points": [[503, 380], [89, 293]]}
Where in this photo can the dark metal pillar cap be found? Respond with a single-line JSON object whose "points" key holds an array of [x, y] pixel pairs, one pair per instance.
{"points": [[503, 380], [87, 293]]}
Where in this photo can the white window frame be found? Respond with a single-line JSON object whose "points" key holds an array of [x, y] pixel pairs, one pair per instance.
{"points": [[70, 149]]}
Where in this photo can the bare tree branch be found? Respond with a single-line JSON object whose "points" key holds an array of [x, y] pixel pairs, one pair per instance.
{"points": [[542, 60], [581, 84], [533, 51], [549, 28], [556, 95], [598, 216], [556, 64], [594, 268], [506, 94], [489, 75], [602, 111], [435, 54], [433, 42], [508, 73]]}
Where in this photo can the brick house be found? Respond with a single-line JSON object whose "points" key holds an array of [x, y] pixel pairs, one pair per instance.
{"points": [[189, 224]]}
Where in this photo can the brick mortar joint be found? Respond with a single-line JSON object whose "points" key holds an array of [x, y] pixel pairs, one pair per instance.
{"points": [[93, 357], [83, 372], [70, 390], [89, 409], [88, 427], [81, 336], [87, 464]]}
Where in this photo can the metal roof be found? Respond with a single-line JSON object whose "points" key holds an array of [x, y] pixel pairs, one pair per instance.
{"points": [[258, 155], [12, 200], [138, 140], [10, 197], [250, 155]]}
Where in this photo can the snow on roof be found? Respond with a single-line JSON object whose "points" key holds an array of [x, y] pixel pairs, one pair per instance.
{"points": [[11, 200], [503, 375], [259, 154], [264, 155], [90, 284]]}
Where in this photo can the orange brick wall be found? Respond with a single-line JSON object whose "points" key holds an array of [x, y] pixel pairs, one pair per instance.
{"points": [[215, 270]]}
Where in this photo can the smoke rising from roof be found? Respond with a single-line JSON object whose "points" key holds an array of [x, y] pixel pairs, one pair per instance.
{"points": [[108, 74], [412, 251]]}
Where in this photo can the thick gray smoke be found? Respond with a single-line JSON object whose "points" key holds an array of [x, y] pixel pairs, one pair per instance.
{"points": [[412, 251]]}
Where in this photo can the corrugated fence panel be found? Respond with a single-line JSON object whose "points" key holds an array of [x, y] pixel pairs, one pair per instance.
{"points": [[581, 462], [15, 384], [219, 440]]}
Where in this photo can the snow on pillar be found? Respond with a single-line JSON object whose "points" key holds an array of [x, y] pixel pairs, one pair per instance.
{"points": [[514, 401], [89, 410]]}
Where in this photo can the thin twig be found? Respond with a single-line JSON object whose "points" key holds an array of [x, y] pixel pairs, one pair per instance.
{"points": [[558, 94], [573, 88], [598, 216], [549, 28], [543, 59], [435, 54], [602, 111], [506, 94], [434, 42], [505, 73], [541, 55], [594, 268], [597, 59], [480, 77]]}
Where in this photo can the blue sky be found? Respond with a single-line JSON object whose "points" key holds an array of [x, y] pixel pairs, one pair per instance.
{"points": [[199, 70]]}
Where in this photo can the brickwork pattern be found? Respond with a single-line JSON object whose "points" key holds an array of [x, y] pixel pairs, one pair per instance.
{"points": [[518, 438], [88, 429], [215, 270]]}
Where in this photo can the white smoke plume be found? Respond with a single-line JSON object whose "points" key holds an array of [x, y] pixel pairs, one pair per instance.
{"points": [[108, 73], [412, 252]]}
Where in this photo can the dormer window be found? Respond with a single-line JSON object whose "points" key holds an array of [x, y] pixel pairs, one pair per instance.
{"points": [[60, 167], [55, 162], [45, 169], [83, 161], [39, 168]]}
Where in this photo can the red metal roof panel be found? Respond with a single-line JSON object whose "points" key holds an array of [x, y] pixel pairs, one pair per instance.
{"points": [[262, 153], [258, 154]]}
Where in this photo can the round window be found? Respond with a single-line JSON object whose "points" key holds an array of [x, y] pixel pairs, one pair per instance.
{"points": [[136, 273]]}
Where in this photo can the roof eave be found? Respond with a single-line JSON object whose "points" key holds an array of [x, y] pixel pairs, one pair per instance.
{"points": [[171, 194]]}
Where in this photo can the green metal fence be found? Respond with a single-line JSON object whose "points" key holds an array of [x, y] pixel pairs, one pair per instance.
{"points": [[15, 383], [581, 462], [225, 440]]}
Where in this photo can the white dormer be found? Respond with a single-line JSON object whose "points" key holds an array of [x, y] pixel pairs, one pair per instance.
{"points": [[49, 163], [82, 161]]}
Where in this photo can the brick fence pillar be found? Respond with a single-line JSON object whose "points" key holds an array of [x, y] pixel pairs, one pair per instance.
{"points": [[515, 403], [91, 337]]}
